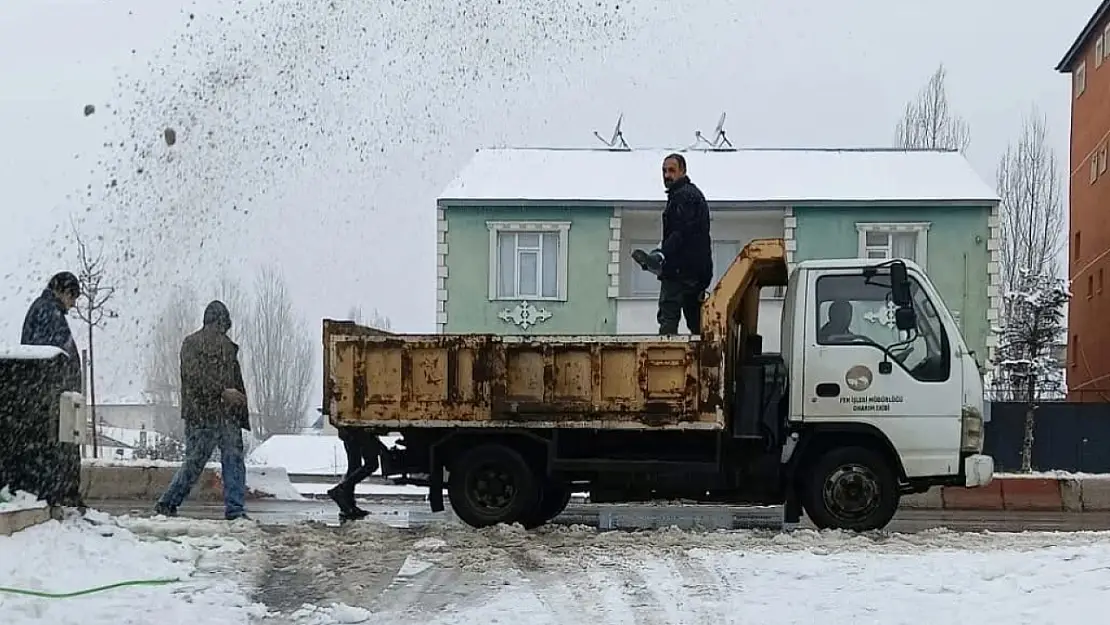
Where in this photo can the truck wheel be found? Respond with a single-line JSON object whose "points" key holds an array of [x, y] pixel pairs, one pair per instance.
{"points": [[552, 503], [492, 484], [852, 488]]}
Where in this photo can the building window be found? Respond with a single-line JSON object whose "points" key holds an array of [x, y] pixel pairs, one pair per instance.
{"points": [[1073, 353], [1075, 246], [1080, 79], [1102, 160], [894, 240], [1090, 287], [1099, 54], [1099, 289], [528, 260], [1106, 42], [644, 284], [1094, 167]]}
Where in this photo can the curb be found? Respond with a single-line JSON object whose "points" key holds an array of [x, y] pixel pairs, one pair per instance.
{"points": [[19, 520], [1019, 494], [121, 482]]}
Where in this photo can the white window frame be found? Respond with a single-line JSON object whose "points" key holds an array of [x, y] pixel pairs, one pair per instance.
{"points": [[1102, 160], [1106, 42], [1094, 167], [919, 228], [528, 227], [1100, 52], [1080, 78]]}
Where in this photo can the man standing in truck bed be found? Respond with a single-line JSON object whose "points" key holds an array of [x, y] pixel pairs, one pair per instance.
{"points": [[684, 261]]}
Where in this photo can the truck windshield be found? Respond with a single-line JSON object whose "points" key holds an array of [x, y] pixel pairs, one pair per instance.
{"points": [[853, 309]]}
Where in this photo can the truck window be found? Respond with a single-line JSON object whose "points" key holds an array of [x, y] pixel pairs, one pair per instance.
{"points": [[853, 310]]}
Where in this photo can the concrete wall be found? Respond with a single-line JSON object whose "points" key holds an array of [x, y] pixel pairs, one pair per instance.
{"points": [[957, 252]]}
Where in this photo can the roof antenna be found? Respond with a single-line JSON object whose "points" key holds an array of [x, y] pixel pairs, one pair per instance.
{"points": [[617, 141], [720, 139]]}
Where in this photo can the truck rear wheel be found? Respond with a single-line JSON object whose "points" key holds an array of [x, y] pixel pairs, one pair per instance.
{"points": [[552, 502], [851, 488], [492, 484]]}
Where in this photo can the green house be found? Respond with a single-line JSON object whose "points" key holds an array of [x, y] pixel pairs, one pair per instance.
{"points": [[537, 241]]}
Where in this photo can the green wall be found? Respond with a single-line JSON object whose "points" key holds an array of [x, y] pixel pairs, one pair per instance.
{"points": [[957, 262], [588, 308]]}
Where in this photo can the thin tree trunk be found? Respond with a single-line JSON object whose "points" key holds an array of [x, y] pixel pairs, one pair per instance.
{"points": [[1027, 438], [92, 394]]}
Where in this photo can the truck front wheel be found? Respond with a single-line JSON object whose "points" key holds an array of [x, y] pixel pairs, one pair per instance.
{"points": [[851, 488], [492, 484]]}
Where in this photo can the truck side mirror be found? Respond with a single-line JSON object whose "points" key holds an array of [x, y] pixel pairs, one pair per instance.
{"points": [[905, 318], [899, 284]]}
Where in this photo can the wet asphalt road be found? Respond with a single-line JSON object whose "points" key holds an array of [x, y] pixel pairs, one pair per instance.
{"points": [[402, 513]]}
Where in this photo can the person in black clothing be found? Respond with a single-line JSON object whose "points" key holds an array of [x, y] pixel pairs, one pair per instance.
{"points": [[46, 324], [363, 450], [684, 261]]}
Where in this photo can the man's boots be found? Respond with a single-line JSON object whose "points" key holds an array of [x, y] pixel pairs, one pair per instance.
{"points": [[344, 494]]}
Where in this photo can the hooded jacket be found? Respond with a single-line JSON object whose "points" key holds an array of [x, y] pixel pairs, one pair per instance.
{"points": [[210, 365]]}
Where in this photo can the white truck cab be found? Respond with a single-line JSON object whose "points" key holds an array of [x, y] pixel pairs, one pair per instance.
{"points": [[876, 347]]}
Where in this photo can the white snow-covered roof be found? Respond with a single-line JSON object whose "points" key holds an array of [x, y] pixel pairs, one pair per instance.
{"points": [[29, 352], [745, 176]]}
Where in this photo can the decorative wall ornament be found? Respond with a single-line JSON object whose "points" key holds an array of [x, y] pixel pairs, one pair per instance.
{"points": [[524, 315], [884, 315]]}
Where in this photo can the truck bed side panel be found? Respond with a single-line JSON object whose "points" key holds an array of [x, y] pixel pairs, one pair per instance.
{"points": [[493, 381]]}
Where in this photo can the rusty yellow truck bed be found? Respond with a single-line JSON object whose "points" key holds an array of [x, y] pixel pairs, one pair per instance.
{"points": [[383, 380]]}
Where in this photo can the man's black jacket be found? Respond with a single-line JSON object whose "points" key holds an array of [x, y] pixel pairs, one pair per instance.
{"points": [[687, 249], [45, 324], [209, 365]]}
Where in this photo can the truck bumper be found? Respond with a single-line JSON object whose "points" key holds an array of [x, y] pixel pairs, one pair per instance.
{"points": [[978, 470]]}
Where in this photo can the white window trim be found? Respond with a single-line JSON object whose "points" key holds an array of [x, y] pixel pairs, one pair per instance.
{"points": [[921, 228], [1080, 78], [497, 227], [1100, 52]]}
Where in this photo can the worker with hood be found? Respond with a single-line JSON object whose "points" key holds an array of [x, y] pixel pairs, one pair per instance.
{"points": [[214, 408]]}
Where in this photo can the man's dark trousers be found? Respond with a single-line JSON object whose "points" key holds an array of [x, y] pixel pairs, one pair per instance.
{"points": [[679, 298]]}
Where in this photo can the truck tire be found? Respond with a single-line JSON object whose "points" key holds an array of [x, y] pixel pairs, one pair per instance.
{"points": [[852, 488], [552, 502], [492, 484]]}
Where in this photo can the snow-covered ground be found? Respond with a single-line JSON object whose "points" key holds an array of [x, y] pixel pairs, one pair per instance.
{"points": [[191, 579], [446, 574]]}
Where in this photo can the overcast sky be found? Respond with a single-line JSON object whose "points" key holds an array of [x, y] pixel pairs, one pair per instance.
{"points": [[317, 137]]}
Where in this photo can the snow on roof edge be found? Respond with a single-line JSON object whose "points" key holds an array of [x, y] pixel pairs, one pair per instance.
{"points": [[823, 174]]}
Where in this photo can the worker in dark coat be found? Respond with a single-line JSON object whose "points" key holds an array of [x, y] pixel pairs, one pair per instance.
{"points": [[46, 324], [684, 260], [214, 407], [57, 464]]}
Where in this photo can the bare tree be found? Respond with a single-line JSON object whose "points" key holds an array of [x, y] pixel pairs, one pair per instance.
{"points": [[1027, 361], [1032, 209], [928, 121], [179, 317], [279, 358], [93, 311], [375, 320]]}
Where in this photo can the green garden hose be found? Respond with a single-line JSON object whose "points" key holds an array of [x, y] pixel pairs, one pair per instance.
{"points": [[87, 591]]}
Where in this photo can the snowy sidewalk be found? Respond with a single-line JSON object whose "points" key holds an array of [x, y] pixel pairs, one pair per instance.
{"points": [[78, 554]]}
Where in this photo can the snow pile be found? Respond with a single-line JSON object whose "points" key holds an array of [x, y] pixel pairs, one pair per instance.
{"points": [[335, 614], [19, 500], [29, 352], [138, 463], [273, 482], [80, 554]]}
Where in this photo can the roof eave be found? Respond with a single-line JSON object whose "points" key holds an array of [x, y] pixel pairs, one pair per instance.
{"points": [[1065, 64], [446, 202]]}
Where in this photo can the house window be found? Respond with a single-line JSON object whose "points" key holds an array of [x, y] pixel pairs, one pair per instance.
{"points": [[1099, 54], [881, 241], [528, 260], [1080, 79], [1102, 160], [1073, 353], [1099, 289], [1094, 167], [1075, 251], [1090, 287]]}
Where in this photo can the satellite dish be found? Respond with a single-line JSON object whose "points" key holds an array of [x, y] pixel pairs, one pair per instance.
{"points": [[616, 142]]}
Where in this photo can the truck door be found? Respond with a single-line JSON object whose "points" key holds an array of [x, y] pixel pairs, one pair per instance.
{"points": [[860, 369]]}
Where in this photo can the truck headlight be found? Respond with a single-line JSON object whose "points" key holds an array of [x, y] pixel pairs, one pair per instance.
{"points": [[971, 430]]}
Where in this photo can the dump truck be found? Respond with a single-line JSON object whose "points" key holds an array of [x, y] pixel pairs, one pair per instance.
{"points": [[873, 395]]}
